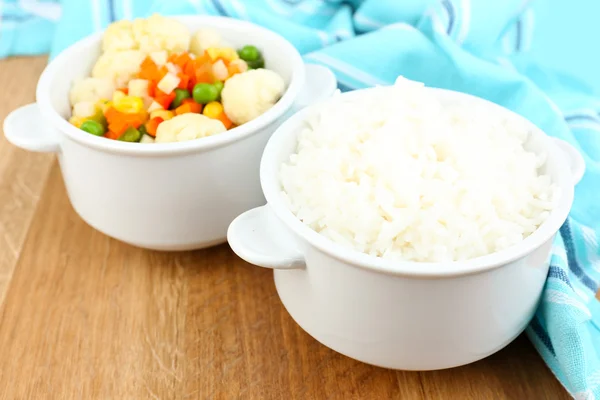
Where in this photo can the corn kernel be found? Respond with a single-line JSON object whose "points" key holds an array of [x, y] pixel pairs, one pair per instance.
{"points": [[129, 105], [226, 53], [118, 95], [213, 109], [229, 54], [77, 121], [104, 105], [213, 53], [164, 114]]}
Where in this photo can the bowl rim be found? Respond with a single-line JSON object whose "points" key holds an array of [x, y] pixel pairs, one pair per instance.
{"points": [[69, 56], [269, 178]]}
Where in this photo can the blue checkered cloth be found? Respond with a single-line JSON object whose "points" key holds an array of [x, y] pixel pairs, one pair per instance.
{"points": [[520, 55]]}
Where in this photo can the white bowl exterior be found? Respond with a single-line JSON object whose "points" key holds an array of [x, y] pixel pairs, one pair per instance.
{"points": [[172, 200], [411, 323], [164, 203]]}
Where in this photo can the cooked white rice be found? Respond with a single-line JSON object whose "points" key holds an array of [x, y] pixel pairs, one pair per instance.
{"points": [[397, 174]]}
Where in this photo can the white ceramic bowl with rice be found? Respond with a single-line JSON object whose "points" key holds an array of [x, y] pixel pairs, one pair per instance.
{"points": [[455, 284]]}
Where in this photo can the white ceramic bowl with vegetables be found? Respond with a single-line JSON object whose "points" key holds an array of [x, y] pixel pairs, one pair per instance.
{"points": [[410, 228], [160, 147]]}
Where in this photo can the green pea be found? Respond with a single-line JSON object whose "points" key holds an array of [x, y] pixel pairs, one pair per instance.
{"points": [[131, 135], [219, 85], [256, 64], [143, 130], [93, 127], [180, 95], [249, 53], [205, 93], [99, 117]]}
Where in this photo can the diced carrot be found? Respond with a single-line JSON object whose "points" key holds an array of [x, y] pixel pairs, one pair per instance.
{"points": [[149, 70], [191, 83], [118, 126], [189, 100], [180, 59], [189, 69], [183, 109], [184, 80], [153, 74], [118, 121], [137, 121], [112, 135], [202, 59], [235, 68], [111, 113], [162, 72], [152, 88], [164, 99], [121, 125], [204, 74], [225, 120], [152, 126], [183, 59], [124, 90], [148, 63], [189, 107]]}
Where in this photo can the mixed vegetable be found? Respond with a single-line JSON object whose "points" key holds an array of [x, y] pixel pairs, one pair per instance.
{"points": [[154, 82]]}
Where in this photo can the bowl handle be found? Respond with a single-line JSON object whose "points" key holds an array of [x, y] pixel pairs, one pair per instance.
{"points": [[257, 237], [574, 159], [25, 128], [320, 84]]}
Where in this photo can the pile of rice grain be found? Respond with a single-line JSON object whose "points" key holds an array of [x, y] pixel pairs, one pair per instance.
{"points": [[397, 174]]}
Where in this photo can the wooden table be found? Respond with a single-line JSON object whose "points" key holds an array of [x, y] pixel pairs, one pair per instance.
{"points": [[83, 316]]}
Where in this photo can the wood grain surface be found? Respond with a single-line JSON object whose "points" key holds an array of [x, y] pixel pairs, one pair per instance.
{"points": [[83, 316]]}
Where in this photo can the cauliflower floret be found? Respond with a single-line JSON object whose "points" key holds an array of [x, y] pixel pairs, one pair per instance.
{"points": [[119, 66], [251, 93], [160, 33], [119, 36], [91, 90], [203, 39], [188, 126], [150, 34], [84, 109]]}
